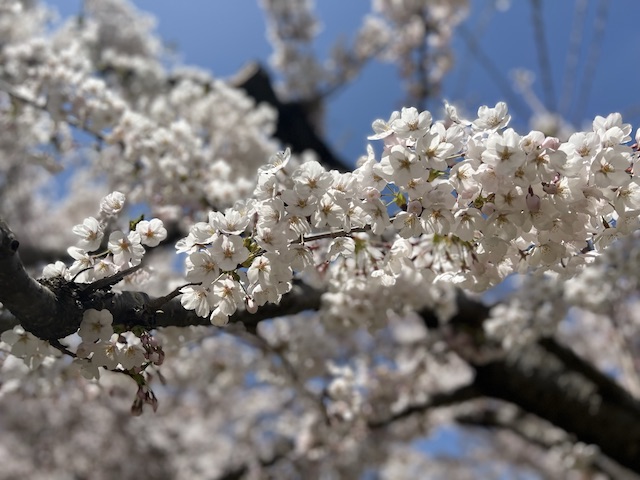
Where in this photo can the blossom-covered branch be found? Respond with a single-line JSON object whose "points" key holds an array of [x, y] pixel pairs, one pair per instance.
{"points": [[354, 293]]}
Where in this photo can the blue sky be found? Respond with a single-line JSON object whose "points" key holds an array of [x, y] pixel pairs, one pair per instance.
{"points": [[224, 36]]}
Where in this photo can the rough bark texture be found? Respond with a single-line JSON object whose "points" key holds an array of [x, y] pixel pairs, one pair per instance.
{"points": [[541, 381], [549, 380], [36, 306]]}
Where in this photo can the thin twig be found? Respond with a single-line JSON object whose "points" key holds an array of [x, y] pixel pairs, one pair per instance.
{"points": [[74, 122], [336, 234], [600, 23], [494, 72], [157, 303], [441, 399], [110, 281], [573, 55], [58, 346], [543, 55]]}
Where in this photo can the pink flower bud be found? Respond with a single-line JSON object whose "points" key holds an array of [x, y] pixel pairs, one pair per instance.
{"points": [[488, 208], [551, 143], [415, 207], [371, 194], [533, 203], [250, 305]]}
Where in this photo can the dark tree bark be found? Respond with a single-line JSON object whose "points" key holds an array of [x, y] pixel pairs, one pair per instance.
{"points": [[550, 381], [294, 127]]}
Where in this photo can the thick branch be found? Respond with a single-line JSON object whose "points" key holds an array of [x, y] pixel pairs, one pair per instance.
{"points": [[53, 309], [542, 383], [38, 309], [293, 128], [574, 363], [550, 381], [540, 433], [529, 427], [443, 399], [127, 308]]}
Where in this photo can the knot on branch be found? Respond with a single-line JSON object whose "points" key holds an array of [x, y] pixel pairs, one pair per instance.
{"points": [[129, 309], [67, 316], [8, 242]]}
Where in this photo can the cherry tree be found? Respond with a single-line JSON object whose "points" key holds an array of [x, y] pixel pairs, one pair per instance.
{"points": [[214, 293]]}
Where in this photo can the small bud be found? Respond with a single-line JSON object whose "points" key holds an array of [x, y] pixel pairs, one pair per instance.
{"points": [[250, 304], [415, 207], [551, 143], [136, 408], [533, 203], [488, 208]]}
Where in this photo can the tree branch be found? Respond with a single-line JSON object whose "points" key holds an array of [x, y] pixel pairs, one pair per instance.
{"points": [[540, 433], [546, 384], [293, 128], [552, 382], [444, 399], [35, 305], [127, 308], [53, 308]]}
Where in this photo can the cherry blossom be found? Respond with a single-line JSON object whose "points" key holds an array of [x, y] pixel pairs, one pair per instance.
{"points": [[197, 298], [126, 249], [112, 204], [151, 232], [370, 274], [90, 233], [96, 326]]}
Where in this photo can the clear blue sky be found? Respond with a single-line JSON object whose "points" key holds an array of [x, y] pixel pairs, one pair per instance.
{"points": [[224, 36]]}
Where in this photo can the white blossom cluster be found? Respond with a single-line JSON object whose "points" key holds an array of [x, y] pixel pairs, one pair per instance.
{"points": [[610, 280], [97, 257], [298, 221], [419, 34], [292, 28], [122, 251], [101, 347], [163, 136], [394, 30], [534, 310], [470, 203], [508, 202], [22, 344]]}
